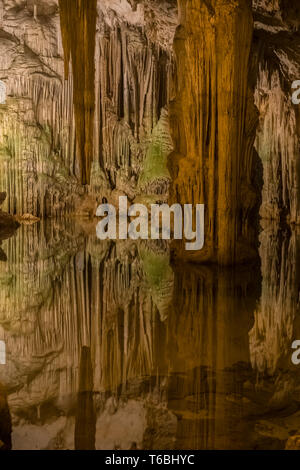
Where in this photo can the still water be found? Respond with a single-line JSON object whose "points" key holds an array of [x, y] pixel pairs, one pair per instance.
{"points": [[107, 345]]}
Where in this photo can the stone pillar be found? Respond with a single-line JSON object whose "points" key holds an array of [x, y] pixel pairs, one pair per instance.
{"points": [[213, 122]]}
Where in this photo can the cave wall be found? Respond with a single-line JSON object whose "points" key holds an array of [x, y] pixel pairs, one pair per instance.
{"points": [[134, 88], [44, 124], [111, 298], [229, 179], [129, 136]]}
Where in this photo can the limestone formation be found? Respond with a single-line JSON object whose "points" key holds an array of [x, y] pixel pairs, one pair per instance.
{"points": [[58, 130], [213, 124], [8, 226], [78, 29]]}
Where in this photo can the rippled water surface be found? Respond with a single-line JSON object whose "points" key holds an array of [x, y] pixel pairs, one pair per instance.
{"points": [[107, 345]]}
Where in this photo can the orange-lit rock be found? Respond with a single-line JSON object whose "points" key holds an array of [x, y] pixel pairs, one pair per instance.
{"points": [[213, 120]]}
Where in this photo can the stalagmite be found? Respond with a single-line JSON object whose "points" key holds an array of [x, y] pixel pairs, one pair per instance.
{"points": [[213, 124]]}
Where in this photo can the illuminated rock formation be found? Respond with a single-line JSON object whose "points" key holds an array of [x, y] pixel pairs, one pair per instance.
{"points": [[213, 123], [133, 75], [37, 133], [277, 140], [111, 304], [100, 336], [51, 128], [8, 226]]}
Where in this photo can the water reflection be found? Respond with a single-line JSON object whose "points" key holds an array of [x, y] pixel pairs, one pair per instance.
{"points": [[85, 429], [109, 347]]}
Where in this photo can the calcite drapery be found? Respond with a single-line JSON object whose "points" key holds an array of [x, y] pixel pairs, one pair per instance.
{"points": [[213, 122]]}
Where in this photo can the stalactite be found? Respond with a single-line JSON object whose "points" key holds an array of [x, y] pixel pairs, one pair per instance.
{"points": [[37, 129], [78, 27], [211, 128], [209, 354]]}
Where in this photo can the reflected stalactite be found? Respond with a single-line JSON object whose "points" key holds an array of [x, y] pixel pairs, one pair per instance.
{"points": [[30, 305], [276, 326], [101, 296], [78, 29], [208, 350], [131, 310], [5, 422], [99, 334]]}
